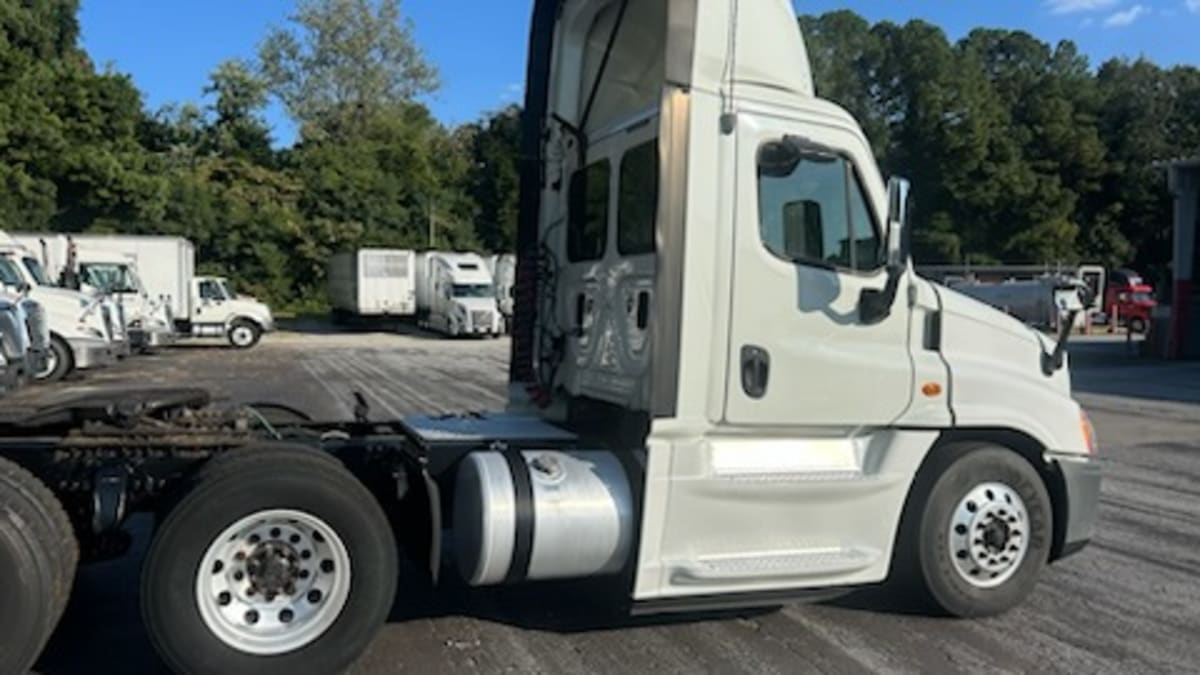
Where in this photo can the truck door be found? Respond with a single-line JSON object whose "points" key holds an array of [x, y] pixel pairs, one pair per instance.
{"points": [[809, 239]]}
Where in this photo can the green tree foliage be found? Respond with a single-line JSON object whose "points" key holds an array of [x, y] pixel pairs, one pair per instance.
{"points": [[1019, 150], [342, 61]]}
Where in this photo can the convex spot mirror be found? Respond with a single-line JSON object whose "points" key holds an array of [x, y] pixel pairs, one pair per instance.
{"points": [[779, 159]]}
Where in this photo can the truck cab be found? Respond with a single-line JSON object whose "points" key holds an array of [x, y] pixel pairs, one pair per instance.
{"points": [[148, 322], [721, 274], [219, 312], [84, 331], [24, 340], [456, 296], [1128, 297]]}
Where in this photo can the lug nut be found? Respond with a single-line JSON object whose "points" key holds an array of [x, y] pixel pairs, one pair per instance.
{"points": [[327, 566], [295, 539], [305, 554], [275, 533], [218, 566], [285, 616], [251, 617], [314, 596], [224, 598]]}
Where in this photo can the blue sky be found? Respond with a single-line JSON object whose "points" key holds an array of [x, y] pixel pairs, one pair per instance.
{"points": [[170, 46]]}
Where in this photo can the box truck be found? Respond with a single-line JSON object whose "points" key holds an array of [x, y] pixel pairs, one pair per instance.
{"points": [[455, 295], [199, 306], [373, 282], [85, 330], [729, 388]]}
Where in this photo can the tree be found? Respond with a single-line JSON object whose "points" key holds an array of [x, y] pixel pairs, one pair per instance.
{"points": [[342, 61], [494, 178], [238, 129]]}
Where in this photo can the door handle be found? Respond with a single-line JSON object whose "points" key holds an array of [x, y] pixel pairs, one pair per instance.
{"points": [[756, 371]]}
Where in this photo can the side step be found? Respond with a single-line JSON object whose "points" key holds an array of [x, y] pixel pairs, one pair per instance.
{"points": [[773, 566]]}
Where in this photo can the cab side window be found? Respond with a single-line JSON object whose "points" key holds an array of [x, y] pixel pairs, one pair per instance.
{"points": [[209, 291], [637, 204], [812, 210], [587, 221]]}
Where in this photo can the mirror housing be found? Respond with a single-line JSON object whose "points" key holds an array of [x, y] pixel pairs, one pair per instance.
{"points": [[875, 305]]}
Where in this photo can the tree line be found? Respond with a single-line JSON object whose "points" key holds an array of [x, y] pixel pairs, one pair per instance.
{"points": [[1019, 151]]}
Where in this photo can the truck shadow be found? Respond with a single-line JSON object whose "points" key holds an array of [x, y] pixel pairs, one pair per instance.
{"points": [[1112, 368], [325, 325]]}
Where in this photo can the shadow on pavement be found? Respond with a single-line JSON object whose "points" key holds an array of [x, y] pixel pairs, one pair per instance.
{"points": [[1109, 368]]}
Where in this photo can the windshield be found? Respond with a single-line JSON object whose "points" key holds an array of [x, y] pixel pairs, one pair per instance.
{"points": [[228, 288], [473, 291], [10, 275], [1142, 297], [110, 277], [36, 271]]}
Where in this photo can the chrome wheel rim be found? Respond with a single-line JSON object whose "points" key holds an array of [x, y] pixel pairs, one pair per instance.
{"points": [[242, 336], [273, 582], [989, 535]]}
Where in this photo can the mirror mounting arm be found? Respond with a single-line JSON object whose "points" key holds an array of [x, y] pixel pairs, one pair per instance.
{"points": [[875, 304]]}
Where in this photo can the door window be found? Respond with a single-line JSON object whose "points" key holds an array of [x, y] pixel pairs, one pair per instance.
{"points": [[211, 290], [587, 225], [637, 206], [813, 210], [9, 276]]}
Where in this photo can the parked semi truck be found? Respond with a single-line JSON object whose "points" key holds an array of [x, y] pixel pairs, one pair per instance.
{"points": [[1122, 294], [148, 323], [85, 330], [373, 282], [24, 340], [199, 306], [455, 295], [728, 388]]}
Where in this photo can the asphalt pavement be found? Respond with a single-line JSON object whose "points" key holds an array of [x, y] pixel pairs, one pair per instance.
{"points": [[1128, 603]]}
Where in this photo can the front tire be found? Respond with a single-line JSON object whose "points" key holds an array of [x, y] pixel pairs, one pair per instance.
{"points": [[1137, 326], [59, 361], [277, 560], [977, 543], [244, 334]]}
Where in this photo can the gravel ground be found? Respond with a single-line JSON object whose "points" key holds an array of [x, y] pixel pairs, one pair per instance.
{"points": [[1128, 603]]}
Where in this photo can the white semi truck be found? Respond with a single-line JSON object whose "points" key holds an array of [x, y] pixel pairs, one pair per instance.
{"points": [[728, 388], [148, 322], [85, 330], [199, 306], [372, 282], [455, 295], [24, 340]]}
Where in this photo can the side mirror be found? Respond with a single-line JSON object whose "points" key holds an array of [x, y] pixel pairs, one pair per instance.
{"points": [[875, 305], [899, 222]]}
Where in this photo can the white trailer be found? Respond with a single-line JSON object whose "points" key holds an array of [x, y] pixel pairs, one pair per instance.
{"points": [[200, 307], [455, 295], [373, 282], [729, 388]]}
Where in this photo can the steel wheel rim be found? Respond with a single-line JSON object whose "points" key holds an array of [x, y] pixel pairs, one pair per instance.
{"points": [[51, 365], [244, 579], [989, 535], [242, 336]]}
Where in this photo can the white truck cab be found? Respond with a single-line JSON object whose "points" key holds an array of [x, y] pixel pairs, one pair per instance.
{"points": [[504, 277], [219, 312], [84, 330], [723, 278], [24, 340], [455, 295], [148, 321]]}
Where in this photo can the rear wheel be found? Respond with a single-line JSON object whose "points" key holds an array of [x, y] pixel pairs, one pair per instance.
{"points": [[38, 556], [244, 334], [1137, 325], [977, 543], [275, 560], [59, 361]]}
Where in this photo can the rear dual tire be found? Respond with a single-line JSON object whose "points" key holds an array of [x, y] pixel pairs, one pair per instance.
{"points": [[276, 560], [976, 537], [38, 557]]}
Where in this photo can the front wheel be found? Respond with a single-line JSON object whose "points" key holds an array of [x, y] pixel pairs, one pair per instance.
{"points": [[1137, 325], [59, 361], [244, 334], [275, 561], [978, 542]]}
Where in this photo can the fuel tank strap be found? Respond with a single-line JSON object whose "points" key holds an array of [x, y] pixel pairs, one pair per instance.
{"points": [[518, 570]]}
